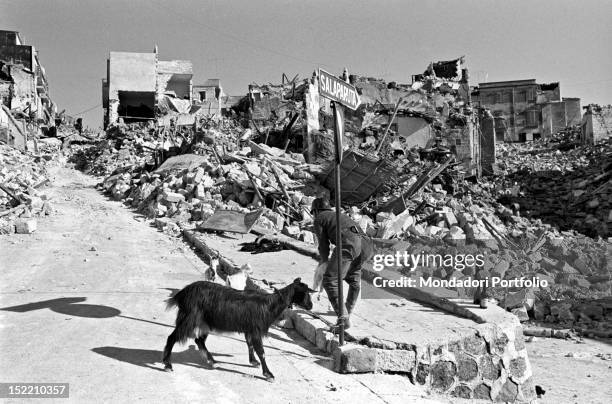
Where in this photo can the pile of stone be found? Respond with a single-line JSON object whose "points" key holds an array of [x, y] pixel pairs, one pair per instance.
{"points": [[568, 188], [191, 187], [22, 177]]}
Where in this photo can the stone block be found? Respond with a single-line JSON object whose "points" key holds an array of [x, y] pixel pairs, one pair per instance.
{"points": [[305, 329], [490, 371], [467, 368], [508, 392], [475, 345], [351, 358], [462, 391], [395, 360], [291, 231], [522, 298], [442, 375], [25, 226], [521, 313], [322, 338], [173, 197], [499, 270], [306, 236], [397, 225], [518, 367], [482, 392]]}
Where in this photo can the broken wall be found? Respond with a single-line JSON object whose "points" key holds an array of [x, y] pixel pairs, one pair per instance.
{"points": [[416, 131], [464, 142], [12, 132], [487, 142], [311, 107], [174, 75], [129, 72], [573, 111], [23, 90], [597, 124]]}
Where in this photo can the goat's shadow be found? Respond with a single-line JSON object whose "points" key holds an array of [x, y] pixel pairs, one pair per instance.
{"points": [[68, 305], [148, 358]]}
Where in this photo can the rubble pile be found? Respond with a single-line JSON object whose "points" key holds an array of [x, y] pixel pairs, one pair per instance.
{"points": [[191, 187], [22, 177], [569, 188], [122, 146]]}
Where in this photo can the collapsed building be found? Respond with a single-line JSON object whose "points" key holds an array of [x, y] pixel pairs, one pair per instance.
{"points": [[27, 108], [139, 85], [524, 110]]}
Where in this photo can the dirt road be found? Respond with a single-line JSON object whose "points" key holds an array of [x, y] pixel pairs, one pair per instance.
{"points": [[82, 301]]}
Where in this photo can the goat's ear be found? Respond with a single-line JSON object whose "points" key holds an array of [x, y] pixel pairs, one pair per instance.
{"points": [[297, 280], [311, 290]]}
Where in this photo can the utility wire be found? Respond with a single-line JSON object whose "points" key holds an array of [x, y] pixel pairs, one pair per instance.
{"points": [[240, 40], [89, 109]]}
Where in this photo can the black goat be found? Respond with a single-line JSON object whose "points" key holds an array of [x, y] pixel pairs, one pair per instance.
{"points": [[205, 307]]}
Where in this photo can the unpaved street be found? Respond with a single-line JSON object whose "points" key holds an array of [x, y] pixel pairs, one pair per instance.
{"points": [[82, 302]]}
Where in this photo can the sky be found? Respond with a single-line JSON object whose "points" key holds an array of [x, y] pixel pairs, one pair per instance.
{"points": [[247, 41]]}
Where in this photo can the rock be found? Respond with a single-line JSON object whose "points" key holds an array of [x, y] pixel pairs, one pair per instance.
{"points": [[277, 219], [397, 225], [566, 268], [383, 216], [499, 270], [291, 231], [593, 311], [521, 313], [352, 358], [523, 298], [535, 257], [173, 197], [455, 233], [25, 226], [306, 236], [540, 310], [562, 310]]}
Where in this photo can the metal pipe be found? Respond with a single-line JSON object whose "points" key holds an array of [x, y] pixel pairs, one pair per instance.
{"points": [[338, 196]]}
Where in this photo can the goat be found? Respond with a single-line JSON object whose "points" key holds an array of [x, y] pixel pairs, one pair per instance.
{"points": [[204, 307]]}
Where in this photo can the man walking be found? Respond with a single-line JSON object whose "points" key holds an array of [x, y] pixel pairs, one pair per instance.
{"points": [[356, 249]]}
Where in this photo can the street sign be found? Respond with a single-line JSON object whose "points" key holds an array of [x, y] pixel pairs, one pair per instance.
{"points": [[338, 90]]}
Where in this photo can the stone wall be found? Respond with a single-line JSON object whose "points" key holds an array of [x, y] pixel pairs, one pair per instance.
{"points": [[490, 364]]}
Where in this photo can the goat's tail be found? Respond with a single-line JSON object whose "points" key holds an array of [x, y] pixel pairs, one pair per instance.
{"points": [[186, 319]]}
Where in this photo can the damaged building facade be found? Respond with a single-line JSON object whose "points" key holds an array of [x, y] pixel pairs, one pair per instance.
{"points": [[524, 110], [24, 91], [138, 86]]}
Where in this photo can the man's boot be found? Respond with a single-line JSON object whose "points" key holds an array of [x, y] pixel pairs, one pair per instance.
{"points": [[345, 317]]}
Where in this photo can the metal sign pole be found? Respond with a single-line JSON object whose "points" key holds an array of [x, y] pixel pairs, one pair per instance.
{"points": [[338, 143]]}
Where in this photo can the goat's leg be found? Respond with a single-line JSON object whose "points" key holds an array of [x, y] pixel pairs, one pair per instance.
{"points": [[258, 345], [168, 351], [206, 355], [252, 360]]}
